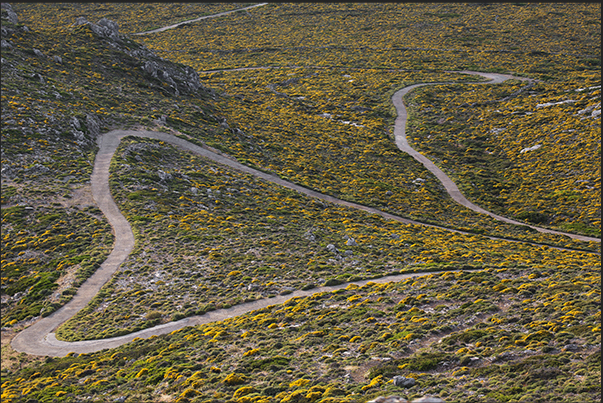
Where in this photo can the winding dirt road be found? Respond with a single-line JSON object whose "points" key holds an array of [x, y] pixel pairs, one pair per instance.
{"points": [[449, 185], [154, 31], [39, 338]]}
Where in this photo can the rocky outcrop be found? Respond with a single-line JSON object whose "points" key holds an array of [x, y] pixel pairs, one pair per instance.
{"points": [[104, 27], [180, 79], [11, 15]]}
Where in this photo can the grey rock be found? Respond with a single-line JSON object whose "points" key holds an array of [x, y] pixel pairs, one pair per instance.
{"points": [[79, 136], [403, 381], [109, 25], [38, 168], [310, 236], [93, 125], [162, 120], [389, 193], [4, 44], [351, 242], [428, 399], [38, 53], [7, 172], [164, 176], [348, 253], [503, 356], [12, 16], [39, 77], [388, 399], [57, 59], [332, 248], [106, 28], [75, 123], [80, 21], [151, 68], [194, 191]]}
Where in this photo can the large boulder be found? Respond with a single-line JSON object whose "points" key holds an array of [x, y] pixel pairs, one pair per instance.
{"points": [[403, 381]]}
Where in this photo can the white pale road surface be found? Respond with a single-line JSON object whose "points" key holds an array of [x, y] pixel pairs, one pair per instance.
{"points": [[154, 31], [39, 338]]}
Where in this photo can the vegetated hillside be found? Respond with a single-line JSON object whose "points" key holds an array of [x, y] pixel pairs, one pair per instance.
{"points": [[527, 326], [210, 237], [535, 156], [131, 17], [59, 92], [501, 335], [325, 128], [558, 44]]}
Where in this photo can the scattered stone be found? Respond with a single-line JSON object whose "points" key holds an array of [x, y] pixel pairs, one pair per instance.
{"points": [[38, 53], [351, 242], [348, 253], [57, 59], [194, 191], [403, 381], [332, 248], [428, 399], [389, 399], [39, 77], [534, 147], [310, 236], [360, 108], [418, 181], [38, 169], [164, 176], [80, 21], [4, 44], [503, 356]]}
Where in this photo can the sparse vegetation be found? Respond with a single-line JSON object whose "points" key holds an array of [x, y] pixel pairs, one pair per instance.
{"points": [[523, 325]]}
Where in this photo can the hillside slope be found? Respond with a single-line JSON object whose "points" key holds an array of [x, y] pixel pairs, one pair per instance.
{"points": [[495, 321]]}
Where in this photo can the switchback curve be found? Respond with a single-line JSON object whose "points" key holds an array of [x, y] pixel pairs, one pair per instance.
{"points": [[449, 185], [39, 338]]}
